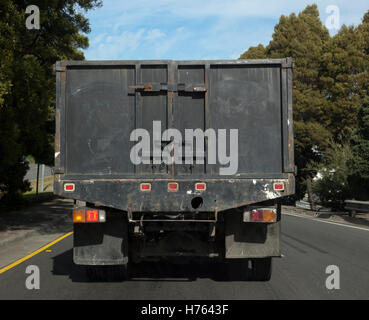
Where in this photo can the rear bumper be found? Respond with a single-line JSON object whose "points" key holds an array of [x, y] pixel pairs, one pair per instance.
{"points": [[220, 194], [115, 242]]}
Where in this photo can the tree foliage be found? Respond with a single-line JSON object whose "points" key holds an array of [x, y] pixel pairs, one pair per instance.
{"points": [[331, 184], [258, 52], [27, 85], [330, 82], [359, 179]]}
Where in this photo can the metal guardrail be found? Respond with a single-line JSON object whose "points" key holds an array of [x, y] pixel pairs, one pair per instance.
{"points": [[306, 205], [356, 207]]}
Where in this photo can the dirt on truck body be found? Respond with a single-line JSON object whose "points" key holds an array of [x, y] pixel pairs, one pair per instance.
{"points": [[175, 159]]}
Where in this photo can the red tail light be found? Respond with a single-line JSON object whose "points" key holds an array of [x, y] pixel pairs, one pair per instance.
{"points": [[256, 215], [92, 215], [84, 215], [173, 186], [145, 186], [200, 186], [260, 215]]}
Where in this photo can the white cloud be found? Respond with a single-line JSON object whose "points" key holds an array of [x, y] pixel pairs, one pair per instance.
{"points": [[114, 45], [195, 29], [126, 44], [154, 34], [138, 10]]}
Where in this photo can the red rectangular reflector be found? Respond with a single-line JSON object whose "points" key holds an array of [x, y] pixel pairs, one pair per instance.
{"points": [[262, 215], [145, 186], [69, 187], [279, 186], [200, 186], [92, 215], [173, 186]]}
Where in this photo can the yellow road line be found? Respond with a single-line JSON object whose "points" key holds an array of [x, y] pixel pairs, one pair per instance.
{"points": [[34, 253]]}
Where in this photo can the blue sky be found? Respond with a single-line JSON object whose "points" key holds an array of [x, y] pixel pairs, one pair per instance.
{"points": [[195, 29]]}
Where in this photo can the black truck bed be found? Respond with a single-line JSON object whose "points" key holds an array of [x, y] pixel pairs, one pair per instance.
{"points": [[100, 103]]}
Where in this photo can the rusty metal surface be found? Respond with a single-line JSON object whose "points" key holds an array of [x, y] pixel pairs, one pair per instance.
{"points": [[220, 194]]}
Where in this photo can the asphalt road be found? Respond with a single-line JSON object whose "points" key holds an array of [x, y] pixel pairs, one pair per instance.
{"points": [[309, 246]]}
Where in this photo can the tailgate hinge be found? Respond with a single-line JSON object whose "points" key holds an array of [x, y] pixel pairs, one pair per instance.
{"points": [[58, 69]]}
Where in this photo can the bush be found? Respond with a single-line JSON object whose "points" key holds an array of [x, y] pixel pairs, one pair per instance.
{"points": [[331, 184]]}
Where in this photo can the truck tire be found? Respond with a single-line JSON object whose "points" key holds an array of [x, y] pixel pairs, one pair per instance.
{"points": [[237, 269], [116, 273], [262, 269]]}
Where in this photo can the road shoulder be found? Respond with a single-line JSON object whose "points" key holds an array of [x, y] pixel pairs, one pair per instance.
{"points": [[361, 220], [24, 231]]}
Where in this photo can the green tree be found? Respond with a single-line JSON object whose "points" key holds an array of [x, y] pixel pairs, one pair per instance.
{"points": [[359, 179], [332, 184], [27, 85], [258, 52], [344, 71], [363, 29]]}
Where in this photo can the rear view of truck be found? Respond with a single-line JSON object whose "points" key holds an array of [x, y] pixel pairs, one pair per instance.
{"points": [[175, 160]]}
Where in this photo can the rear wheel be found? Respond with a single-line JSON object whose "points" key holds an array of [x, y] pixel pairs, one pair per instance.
{"points": [[107, 273], [262, 269], [237, 269]]}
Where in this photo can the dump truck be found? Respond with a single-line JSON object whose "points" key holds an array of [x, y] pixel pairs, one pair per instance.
{"points": [[175, 160]]}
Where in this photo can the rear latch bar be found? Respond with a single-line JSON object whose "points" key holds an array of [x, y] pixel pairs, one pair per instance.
{"points": [[180, 87]]}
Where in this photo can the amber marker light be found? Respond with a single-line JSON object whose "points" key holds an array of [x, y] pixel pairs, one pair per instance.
{"points": [[79, 216]]}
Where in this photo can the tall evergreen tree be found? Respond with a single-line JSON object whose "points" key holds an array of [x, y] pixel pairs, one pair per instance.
{"points": [[363, 28], [344, 70]]}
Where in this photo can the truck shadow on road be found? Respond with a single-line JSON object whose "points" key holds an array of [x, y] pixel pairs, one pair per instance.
{"points": [[51, 217], [63, 265]]}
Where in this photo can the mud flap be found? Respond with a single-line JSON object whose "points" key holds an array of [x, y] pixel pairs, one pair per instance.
{"points": [[250, 240], [101, 243]]}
